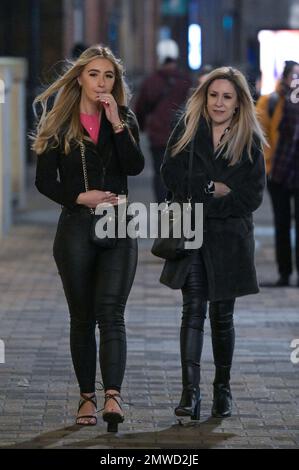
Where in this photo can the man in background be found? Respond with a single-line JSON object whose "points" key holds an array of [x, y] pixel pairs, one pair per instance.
{"points": [[279, 116], [161, 96]]}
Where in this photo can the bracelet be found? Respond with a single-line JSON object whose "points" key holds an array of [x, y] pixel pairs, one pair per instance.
{"points": [[118, 127]]}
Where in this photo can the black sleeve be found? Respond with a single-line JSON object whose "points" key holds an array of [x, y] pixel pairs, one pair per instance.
{"points": [[246, 195], [47, 182], [128, 149], [174, 171]]}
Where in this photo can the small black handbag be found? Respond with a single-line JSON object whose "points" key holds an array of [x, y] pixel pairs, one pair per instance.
{"points": [[172, 247], [106, 241]]}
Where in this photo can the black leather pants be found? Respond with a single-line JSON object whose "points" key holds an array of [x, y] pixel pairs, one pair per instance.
{"points": [[97, 283], [192, 328]]}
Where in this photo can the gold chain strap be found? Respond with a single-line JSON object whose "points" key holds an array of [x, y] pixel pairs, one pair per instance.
{"points": [[82, 150]]}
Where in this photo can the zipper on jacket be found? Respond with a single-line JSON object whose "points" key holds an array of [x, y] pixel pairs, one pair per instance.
{"points": [[103, 177]]}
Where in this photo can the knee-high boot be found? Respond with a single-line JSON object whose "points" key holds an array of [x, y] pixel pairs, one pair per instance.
{"points": [[191, 341], [191, 337], [223, 341]]}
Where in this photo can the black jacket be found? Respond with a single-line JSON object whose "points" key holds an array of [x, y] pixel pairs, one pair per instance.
{"points": [[109, 162], [228, 241]]}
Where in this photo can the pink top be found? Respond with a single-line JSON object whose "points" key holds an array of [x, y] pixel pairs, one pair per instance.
{"points": [[92, 123]]}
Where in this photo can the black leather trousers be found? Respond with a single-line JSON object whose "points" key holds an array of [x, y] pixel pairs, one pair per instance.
{"points": [[97, 283], [192, 328]]}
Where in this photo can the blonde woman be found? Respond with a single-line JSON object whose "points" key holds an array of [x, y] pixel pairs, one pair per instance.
{"points": [[229, 178], [90, 108]]}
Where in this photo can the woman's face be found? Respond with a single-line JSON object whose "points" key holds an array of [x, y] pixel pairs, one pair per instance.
{"points": [[98, 76], [222, 101]]}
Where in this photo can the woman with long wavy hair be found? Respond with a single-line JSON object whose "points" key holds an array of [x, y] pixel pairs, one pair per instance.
{"points": [[90, 115], [228, 178]]}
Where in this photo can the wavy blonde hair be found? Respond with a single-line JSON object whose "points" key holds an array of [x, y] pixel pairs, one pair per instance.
{"points": [[62, 124], [244, 124]]}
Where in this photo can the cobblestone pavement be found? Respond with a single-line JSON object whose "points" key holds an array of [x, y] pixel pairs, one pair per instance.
{"points": [[38, 391]]}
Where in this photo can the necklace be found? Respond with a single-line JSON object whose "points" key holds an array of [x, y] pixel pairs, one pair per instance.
{"points": [[222, 136], [90, 121]]}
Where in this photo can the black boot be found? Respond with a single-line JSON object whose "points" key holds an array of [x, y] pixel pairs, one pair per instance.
{"points": [[223, 340], [189, 404], [222, 397], [191, 347]]}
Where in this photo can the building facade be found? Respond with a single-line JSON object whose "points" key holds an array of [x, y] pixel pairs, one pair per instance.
{"points": [[44, 31]]}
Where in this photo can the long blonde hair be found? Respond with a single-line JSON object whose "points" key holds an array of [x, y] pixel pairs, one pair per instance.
{"points": [[244, 124], [61, 124]]}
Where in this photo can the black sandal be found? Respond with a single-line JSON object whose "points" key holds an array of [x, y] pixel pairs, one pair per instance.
{"points": [[83, 400], [112, 418]]}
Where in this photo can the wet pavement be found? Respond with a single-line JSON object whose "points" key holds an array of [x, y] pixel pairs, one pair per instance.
{"points": [[38, 390]]}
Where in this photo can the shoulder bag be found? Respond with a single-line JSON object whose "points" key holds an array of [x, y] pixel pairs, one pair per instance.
{"points": [[172, 247], [106, 241]]}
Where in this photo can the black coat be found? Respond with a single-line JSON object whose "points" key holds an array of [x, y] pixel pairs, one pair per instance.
{"points": [[228, 238], [109, 162]]}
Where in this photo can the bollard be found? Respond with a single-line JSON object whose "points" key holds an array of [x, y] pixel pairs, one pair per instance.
{"points": [[18, 70], [2, 352], [5, 155], [2, 92]]}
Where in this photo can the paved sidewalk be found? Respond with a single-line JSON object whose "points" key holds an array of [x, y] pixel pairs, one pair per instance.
{"points": [[38, 391]]}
